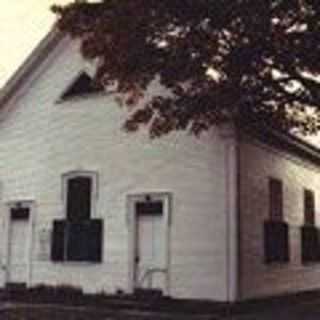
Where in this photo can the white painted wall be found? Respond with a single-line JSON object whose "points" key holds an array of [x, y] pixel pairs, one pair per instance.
{"points": [[41, 140]]}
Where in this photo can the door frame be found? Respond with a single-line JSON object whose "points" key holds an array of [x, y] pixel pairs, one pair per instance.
{"points": [[166, 197], [30, 204]]}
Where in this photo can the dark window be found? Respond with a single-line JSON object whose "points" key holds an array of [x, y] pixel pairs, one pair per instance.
{"points": [[78, 237], [276, 231], [309, 244], [79, 198], [149, 207], [309, 207], [20, 213], [83, 85], [276, 200], [77, 241], [276, 241]]}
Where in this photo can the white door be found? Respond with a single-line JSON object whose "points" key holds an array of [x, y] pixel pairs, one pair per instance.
{"points": [[18, 246], [150, 252]]}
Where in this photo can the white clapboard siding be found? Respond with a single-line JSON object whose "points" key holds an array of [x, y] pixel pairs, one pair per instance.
{"points": [[41, 140]]}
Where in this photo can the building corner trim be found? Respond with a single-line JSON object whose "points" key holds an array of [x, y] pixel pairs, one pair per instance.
{"points": [[231, 168]]}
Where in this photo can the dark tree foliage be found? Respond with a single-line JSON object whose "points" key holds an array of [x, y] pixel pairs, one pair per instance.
{"points": [[254, 61]]}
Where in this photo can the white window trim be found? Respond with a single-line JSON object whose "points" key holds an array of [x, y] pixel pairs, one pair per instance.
{"points": [[94, 197]]}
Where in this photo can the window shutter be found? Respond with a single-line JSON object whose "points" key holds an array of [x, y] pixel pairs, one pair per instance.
{"points": [[309, 207], [95, 238], [276, 199], [276, 242], [309, 244], [79, 198], [77, 243], [58, 240], [85, 241]]}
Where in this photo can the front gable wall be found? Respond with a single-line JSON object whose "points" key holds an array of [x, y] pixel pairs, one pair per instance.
{"points": [[42, 140], [25, 118]]}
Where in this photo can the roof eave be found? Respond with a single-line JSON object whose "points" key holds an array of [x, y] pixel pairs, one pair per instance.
{"points": [[285, 141], [32, 61]]}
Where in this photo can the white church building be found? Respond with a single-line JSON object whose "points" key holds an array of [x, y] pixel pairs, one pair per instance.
{"points": [[231, 215]]}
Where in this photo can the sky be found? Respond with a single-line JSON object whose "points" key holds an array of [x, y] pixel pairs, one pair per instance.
{"points": [[23, 23]]}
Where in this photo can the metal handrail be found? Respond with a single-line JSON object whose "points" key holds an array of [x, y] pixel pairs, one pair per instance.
{"points": [[151, 271]]}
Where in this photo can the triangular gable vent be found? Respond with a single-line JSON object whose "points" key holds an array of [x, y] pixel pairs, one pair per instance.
{"points": [[82, 85]]}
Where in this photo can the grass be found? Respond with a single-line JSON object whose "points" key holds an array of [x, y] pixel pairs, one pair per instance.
{"points": [[45, 313], [74, 313]]}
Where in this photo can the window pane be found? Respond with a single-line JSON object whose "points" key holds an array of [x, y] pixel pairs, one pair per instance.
{"points": [[276, 199], [309, 207], [79, 199]]}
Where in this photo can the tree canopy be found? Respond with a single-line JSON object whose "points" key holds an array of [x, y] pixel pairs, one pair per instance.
{"points": [[254, 61]]}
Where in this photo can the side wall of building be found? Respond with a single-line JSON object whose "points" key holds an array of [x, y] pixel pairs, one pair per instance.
{"points": [[41, 140], [259, 162]]}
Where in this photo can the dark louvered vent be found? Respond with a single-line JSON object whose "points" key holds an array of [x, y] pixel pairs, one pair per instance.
{"points": [[83, 85]]}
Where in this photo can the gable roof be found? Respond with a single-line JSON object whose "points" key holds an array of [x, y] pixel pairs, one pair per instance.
{"points": [[278, 139], [36, 57], [284, 141]]}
